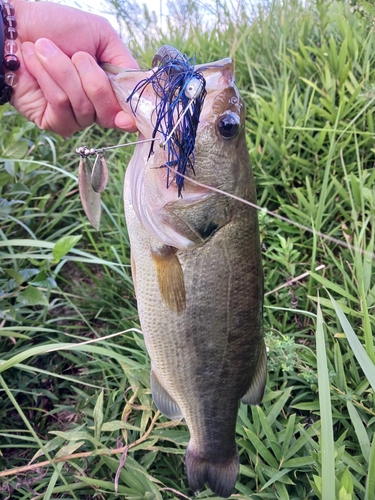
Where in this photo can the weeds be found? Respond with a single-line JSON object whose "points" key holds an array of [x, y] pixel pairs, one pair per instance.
{"points": [[74, 369]]}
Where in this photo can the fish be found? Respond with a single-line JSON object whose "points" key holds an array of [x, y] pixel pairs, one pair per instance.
{"points": [[197, 271]]}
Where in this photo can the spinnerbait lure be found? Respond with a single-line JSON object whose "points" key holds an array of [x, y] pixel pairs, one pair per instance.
{"points": [[180, 92]]}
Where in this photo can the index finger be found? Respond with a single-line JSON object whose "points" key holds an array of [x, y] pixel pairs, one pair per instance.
{"points": [[99, 90]]}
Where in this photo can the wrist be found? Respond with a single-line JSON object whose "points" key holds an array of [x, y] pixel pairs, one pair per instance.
{"points": [[9, 61]]}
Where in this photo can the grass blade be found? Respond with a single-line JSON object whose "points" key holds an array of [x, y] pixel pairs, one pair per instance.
{"points": [[360, 430], [326, 436], [370, 481], [363, 358], [98, 414]]}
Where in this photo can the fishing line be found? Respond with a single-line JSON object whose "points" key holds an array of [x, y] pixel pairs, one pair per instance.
{"points": [[84, 151], [162, 144]]}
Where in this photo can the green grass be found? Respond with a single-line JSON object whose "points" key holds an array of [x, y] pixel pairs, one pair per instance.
{"points": [[74, 372]]}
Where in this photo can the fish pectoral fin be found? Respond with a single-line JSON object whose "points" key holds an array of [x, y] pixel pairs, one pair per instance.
{"points": [[170, 277], [255, 392], [164, 402]]}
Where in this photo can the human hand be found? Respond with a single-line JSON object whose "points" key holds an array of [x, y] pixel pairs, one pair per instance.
{"points": [[60, 86]]}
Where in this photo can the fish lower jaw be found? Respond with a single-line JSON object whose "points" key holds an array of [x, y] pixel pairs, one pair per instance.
{"points": [[162, 234]]}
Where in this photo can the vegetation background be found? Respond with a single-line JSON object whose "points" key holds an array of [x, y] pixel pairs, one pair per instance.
{"points": [[74, 373]]}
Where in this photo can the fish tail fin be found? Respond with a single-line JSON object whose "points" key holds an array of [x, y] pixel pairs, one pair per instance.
{"points": [[220, 475]]}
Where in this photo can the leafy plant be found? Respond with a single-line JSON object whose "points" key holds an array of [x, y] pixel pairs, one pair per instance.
{"points": [[74, 372]]}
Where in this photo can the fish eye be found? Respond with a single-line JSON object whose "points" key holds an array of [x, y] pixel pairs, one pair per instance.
{"points": [[229, 125]]}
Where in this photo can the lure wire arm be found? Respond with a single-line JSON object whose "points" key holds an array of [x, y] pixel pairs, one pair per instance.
{"points": [[85, 152]]}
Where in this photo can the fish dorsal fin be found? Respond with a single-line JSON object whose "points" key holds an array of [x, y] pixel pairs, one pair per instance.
{"points": [[255, 392], [163, 400], [170, 277]]}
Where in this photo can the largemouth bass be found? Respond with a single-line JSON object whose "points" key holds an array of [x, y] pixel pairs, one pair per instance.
{"points": [[196, 264]]}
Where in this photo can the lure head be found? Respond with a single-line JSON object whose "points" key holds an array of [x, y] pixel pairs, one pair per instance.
{"points": [[193, 88]]}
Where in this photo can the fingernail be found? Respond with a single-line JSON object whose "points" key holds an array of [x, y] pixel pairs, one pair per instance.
{"points": [[84, 65], [45, 47], [28, 49], [125, 122]]}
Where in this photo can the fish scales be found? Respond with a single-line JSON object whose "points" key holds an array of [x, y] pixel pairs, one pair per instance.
{"points": [[196, 265]]}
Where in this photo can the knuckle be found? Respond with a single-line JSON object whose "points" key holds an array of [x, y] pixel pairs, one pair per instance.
{"points": [[85, 108], [98, 90], [60, 100]]}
